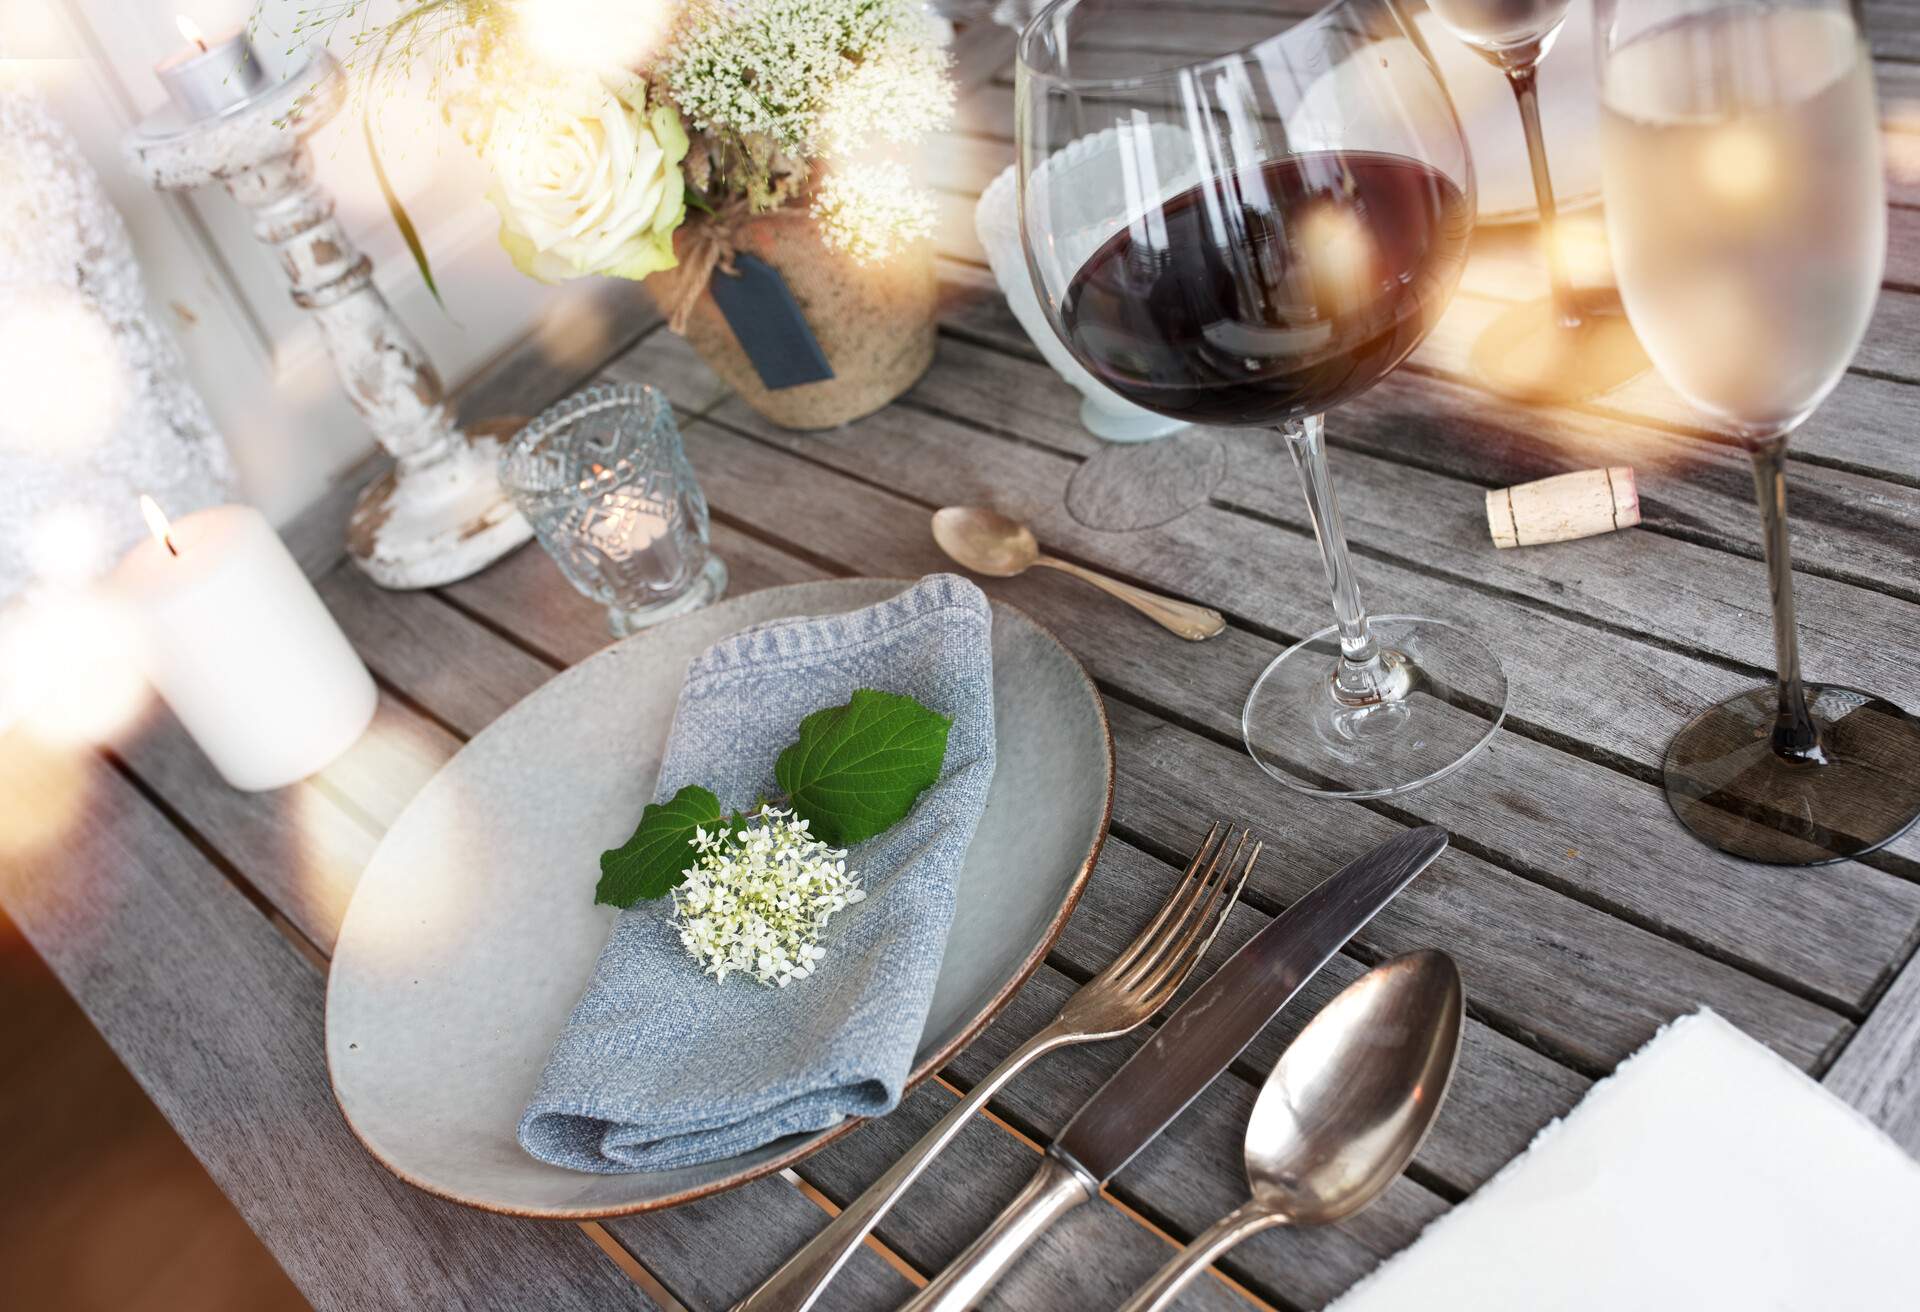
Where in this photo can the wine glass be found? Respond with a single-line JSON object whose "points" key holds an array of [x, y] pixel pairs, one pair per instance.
{"points": [[1291, 221], [1555, 349], [1747, 215]]}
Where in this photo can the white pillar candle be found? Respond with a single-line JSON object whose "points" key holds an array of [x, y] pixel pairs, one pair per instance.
{"points": [[241, 647]]}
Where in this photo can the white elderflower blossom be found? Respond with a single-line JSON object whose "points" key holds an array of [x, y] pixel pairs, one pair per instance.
{"points": [[869, 211], [901, 94], [757, 901], [781, 69]]}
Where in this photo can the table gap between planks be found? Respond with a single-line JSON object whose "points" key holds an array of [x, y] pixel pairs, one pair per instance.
{"points": [[193, 923]]}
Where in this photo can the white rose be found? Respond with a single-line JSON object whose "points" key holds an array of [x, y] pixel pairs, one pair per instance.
{"points": [[585, 179]]}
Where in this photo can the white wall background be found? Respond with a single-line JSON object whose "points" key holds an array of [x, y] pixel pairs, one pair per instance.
{"points": [[259, 364]]}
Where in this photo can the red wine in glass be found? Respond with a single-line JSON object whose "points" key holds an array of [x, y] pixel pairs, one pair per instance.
{"points": [[1273, 293]]}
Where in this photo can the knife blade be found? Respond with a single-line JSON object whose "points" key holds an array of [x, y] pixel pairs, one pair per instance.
{"points": [[1221, 1017], [1189, 1050]]}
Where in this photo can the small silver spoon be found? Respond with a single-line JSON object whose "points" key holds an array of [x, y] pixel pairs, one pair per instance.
{"points": [[1343, 1112], [987, 542]]}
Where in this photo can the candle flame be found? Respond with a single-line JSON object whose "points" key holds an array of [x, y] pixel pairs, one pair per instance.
{"points": [[190, 30], [157, 522]]}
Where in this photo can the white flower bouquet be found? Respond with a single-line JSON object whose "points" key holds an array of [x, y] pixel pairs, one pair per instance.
{"points": [[606, 124]]}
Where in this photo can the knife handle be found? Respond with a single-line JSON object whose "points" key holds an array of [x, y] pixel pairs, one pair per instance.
{"points": [[1055, 1190]]}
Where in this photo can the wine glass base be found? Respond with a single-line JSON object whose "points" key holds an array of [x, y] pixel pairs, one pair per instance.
{"points": [[1309, 739], [708, 586], [1732, 792], [1530, 354]]}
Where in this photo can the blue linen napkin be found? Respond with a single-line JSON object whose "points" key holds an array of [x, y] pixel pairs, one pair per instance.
{"points": [[659, 1065]]}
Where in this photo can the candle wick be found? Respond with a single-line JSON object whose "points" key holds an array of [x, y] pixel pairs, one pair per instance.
{"points": [[171, 549], [202, 44]]}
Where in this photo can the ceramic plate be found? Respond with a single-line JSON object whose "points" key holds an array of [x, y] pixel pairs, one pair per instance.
{"points": [[467, 942]]}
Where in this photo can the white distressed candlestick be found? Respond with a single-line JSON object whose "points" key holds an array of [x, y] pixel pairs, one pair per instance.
{"points": [[1564, 507], [237, 642], [439, 514]]}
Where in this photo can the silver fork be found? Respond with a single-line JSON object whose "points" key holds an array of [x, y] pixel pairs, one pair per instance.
{"points": [[1137, 984]]}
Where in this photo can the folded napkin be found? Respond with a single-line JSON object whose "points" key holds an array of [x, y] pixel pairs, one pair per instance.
{"points": [[1706, 1173], [661, 1066]]}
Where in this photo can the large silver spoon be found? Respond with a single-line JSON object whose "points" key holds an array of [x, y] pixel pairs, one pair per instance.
{"points": [[987, 542], [1343, 1112]]}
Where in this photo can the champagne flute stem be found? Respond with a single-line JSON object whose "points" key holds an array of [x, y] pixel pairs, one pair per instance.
{"points": [[1794, 735], [1362, 677], [1522, 76]]}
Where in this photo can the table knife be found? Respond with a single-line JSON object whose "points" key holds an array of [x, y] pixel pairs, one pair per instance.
{"points": [[1198, 1041]]}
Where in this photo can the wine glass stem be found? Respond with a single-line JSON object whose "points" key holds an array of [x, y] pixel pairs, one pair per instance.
{"points": [[1361, 676], [1522, 76], [1794, 735]]}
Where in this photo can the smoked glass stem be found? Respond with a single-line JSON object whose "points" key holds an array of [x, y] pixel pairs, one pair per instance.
{"points": [[1794, 735], [1526, 92], [1361, 676]]}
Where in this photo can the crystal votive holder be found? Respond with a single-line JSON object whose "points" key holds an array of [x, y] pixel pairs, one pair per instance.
{"points": [[605, 483]]}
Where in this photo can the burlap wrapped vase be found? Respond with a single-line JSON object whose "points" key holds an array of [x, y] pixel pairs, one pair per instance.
{"points": [[874, 323]]}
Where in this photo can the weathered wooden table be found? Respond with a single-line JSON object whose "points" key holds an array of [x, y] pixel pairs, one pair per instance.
{"points": [[193, 923]]}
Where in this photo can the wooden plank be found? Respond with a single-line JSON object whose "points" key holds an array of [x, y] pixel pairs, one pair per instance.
{"points": [[713, 1252], [1859, 426], [965, 1189], [300, 848], [1879, 1070], [1675, 590], [880, 532], [221, 1022], [1562, 677], [318, 538], [598, 320], [525, 595], [427, 650]]}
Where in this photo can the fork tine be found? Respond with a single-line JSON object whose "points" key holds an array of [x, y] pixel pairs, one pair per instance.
{"points": [[1170, 938], [1168, 981], [1183, 892], [1196, 918]]}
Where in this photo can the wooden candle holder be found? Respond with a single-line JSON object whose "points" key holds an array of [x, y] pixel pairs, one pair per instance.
{"points": [[439, 514]]}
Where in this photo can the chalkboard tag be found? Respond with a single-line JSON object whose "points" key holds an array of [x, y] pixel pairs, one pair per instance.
{"points": [[760, 309]]}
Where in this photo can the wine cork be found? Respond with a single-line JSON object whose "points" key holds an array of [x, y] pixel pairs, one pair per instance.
{"points": [[1564, 507]]}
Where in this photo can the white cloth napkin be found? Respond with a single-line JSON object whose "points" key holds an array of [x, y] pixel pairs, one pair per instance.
{"points": [[1707, 1173]]}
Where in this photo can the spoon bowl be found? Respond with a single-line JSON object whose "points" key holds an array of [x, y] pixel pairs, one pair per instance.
{"points": [[1345, 1109], [988, 542], [1351, 1099], [985, 541]]}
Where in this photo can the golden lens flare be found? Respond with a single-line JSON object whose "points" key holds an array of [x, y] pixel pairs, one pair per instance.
{"points": [[41, 795], [67, 545], [594, 34], [62, 374], [1581, 241], [1740, 164], [70, 671]]}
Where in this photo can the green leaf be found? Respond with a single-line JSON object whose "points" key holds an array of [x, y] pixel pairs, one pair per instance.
{"points": [[858, 769], [401, 219], [657, 857]]}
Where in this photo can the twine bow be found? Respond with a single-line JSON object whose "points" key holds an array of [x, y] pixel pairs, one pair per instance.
{"points": [[708, 246]]}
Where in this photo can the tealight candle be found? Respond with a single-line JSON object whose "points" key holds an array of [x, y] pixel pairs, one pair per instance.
{"points": [[240, 646], [210, 76]]}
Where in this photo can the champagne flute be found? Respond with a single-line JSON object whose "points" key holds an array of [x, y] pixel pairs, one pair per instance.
{"points": [[1556, 349], [1747, 214], [1291, 220]]}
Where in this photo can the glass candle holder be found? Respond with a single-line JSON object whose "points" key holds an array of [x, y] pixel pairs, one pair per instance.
{"points": [[605, 482]]}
